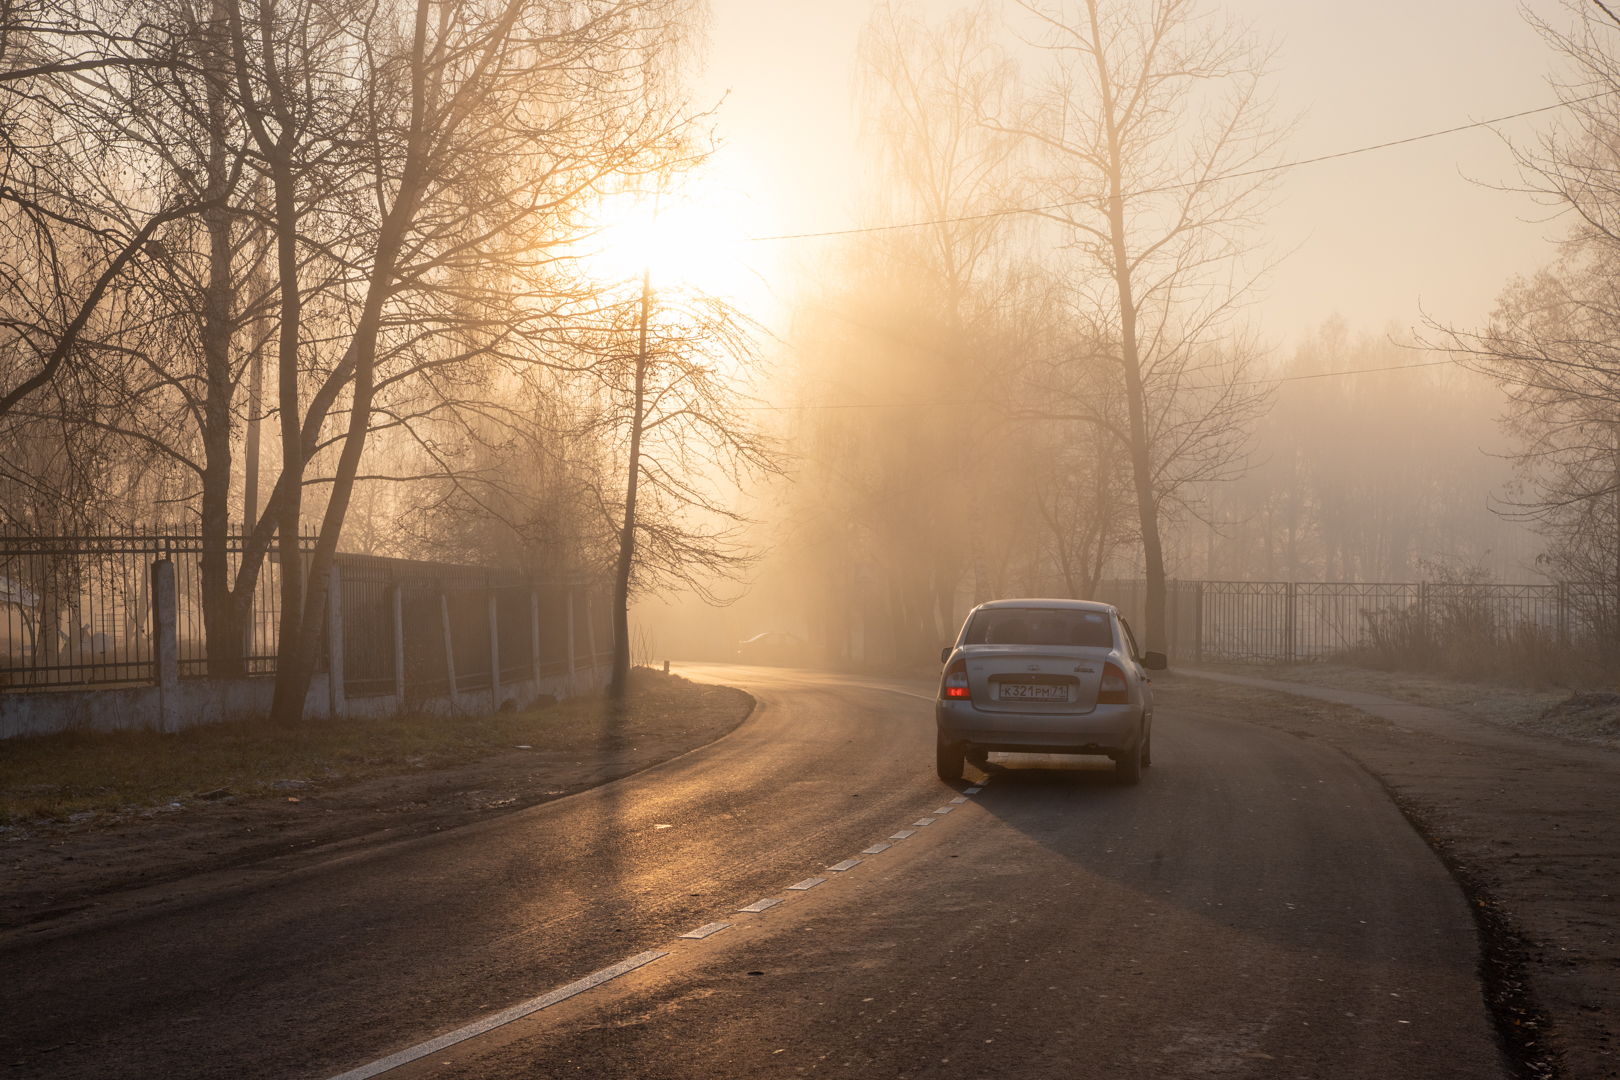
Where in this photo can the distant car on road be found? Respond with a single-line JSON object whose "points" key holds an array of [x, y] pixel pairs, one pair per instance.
{"points": [[1046, 677], [776, 650]]}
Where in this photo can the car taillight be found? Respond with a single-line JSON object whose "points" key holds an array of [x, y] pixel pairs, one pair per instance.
{"points": [[1113, 690], [955, 684]]}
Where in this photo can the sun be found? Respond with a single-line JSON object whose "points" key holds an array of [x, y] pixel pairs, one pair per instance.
{"points": [[694, 239]]}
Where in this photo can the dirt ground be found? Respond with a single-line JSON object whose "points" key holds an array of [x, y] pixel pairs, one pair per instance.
{"points": [[55, 876], [1520, 798]]}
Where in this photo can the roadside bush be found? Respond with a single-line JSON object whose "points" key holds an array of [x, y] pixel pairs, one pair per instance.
{"points": [[1458, 632]]}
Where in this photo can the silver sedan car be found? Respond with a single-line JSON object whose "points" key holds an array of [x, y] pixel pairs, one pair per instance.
{"points": [[1046, 677]]}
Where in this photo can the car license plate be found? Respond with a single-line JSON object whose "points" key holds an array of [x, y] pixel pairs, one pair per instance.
{"points": [[1033, 692]]}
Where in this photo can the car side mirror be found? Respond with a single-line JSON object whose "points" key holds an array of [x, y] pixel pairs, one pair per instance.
{"points": [[1155, 661], [944, 654]]}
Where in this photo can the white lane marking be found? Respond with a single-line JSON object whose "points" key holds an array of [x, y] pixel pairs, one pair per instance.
{"points": [[876, 849], [944, 810], [908, 693], [961, 798], [704, 931], [807, 883], [973, 791], [903, 833], [760, 905], [505, 1016], [923, 821], [847, 864]]}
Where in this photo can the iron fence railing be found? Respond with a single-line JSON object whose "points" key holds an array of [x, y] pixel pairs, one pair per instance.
{"points": [[1287, 621], [77, 611]]}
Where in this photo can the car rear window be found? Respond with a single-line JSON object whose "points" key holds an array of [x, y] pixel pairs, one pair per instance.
{"points": [[1039, 626]]}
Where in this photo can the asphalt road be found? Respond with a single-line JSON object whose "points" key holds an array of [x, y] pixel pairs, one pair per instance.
{"points": [[1256, 907]]}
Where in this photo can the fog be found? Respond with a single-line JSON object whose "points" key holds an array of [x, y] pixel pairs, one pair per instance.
{"points": [[1373, 458], [838, 321]]}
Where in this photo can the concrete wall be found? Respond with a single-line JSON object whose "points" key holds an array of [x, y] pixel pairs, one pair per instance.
{"points": [[172, 703], [190, 702]]}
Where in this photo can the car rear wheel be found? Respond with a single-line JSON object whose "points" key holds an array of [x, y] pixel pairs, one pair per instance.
{"points": [[1147, 746], [1128, 767], [948, 759]]}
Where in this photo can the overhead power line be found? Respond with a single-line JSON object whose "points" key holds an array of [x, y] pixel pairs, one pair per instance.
{"points": [[982, 401], [1052, 207]]}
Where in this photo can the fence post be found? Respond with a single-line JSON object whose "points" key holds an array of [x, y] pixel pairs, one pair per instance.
{"points": [[1175, 617], [1563, 616], [449, 648], [397, 602], [165, 637], [490, 601], [334, 643], [1198, 624], [590, 636], [1291, 595], [572, 689], [534, 637], [1423, 612]]}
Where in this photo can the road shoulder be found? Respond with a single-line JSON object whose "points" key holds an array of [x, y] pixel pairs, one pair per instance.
{"points": [[1524, 823]]}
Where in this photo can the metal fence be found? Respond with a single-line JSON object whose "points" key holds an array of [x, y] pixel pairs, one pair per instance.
{"points": [[78, 611], [1289, 621]]}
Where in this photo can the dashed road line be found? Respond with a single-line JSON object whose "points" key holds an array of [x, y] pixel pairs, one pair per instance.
{"points": [[505, 1016], [534, 1005]]}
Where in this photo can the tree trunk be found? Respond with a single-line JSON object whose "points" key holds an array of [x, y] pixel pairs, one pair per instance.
{"points": [[620, 680], [222, 633], [286, 706], [1147, 503]]}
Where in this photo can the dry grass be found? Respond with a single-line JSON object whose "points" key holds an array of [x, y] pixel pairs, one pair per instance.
{"points": [[73, 774]]}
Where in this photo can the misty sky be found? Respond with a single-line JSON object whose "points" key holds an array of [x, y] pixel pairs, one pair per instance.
{"points": [[1376, 235]]}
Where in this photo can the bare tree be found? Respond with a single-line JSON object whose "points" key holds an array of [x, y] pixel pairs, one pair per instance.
{"points": [[673, 370], [1553, 341], [1155, 132], [68, 246], [920, 314], [439, 156]]}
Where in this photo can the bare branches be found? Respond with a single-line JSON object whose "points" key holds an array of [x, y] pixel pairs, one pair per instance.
{"points": [[1553, 341], [68, 338]]}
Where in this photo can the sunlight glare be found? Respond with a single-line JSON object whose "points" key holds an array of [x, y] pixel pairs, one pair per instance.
{"points": [[689, 240]]}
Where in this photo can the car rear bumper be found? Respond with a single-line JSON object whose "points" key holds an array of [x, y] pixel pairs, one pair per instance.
{"points": [[1106, 729]]}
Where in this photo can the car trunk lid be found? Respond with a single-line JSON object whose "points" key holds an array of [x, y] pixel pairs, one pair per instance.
{"points": [[1034, 680]]}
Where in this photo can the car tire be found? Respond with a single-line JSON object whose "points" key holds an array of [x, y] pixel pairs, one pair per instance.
{"points": [[1147, 746], [1128, 766], [948, 759]]}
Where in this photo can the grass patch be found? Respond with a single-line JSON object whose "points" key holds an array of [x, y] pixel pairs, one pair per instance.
{"points": [[78, 774]]}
